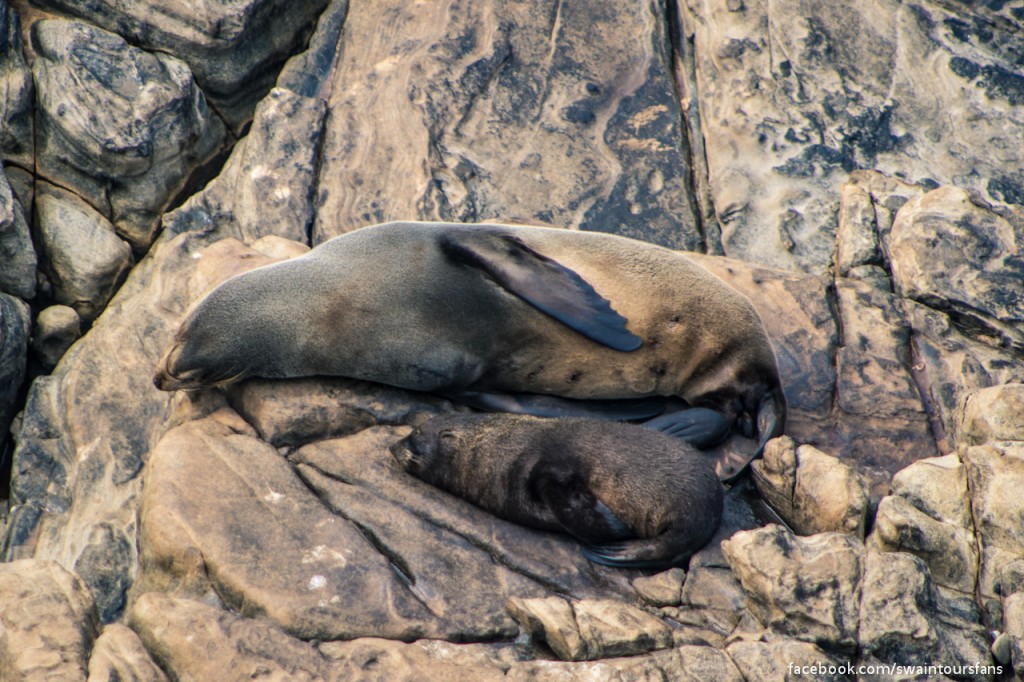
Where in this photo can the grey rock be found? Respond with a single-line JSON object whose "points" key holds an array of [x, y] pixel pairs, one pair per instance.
{"points": [[56, 328], [16, 125], [82, 255], [106, 566], [266, 185], [122, 127], [1001, 648], [15, 324], [534, 112], [812, 491], [294, 412], [794, 97], [661, 589], [235, 48], [1013, 623], [17, 253], [118, 655], [590, 629], [48, 621], [805, 588]]}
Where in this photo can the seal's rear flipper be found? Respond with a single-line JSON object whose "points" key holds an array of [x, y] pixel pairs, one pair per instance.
{"points": [[554, 406], [577, 510], [699, 426], [655, 552], [771, 419], [544, 283]]}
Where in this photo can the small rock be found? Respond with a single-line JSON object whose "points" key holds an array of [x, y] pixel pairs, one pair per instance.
{"points": [[856, 238], [57, 327], [938, 487], [590, 629], [48, 622], [1013, 625], [661, 589], [17, 253], [806, 588], [83, 257], [119, 655], [1001, 648], [993, 414], [813, 492]]}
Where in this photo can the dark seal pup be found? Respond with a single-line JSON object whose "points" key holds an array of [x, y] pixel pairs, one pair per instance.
{"points": [[535, 320], [632, 496]]}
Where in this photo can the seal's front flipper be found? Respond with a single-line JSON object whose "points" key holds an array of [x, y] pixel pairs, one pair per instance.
{"points": [[542, 282], [699, 426], [581, 514], [554, 406]]}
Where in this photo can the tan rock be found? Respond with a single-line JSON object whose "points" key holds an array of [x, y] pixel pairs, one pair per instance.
{"points": [[784, 659], [685, 664], [996, 475], [1013, 625], [993, 414], [590, 629], [661, 589], [119, 655], [806, 588], [48, 623], [56, 328], [938, 487], [813, 492], [950, 551]]}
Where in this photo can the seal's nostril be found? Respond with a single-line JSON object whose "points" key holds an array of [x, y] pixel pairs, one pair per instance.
{"points": [[158, 382]]}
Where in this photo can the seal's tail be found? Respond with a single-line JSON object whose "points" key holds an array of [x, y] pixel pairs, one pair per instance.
{"points": [[661, 551]]}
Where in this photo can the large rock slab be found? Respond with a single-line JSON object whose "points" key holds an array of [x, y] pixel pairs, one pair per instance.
{"points": [[47, 620], [234, 47], [122, 127], [15, 326], [17, 143], [537, 112], [17, 253], [795, 95]]}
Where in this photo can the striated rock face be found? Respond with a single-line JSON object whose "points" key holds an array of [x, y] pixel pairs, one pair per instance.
{"points": [[865, 156]]}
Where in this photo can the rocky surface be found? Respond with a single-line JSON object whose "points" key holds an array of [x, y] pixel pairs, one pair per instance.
{"points": [[861, 160]]}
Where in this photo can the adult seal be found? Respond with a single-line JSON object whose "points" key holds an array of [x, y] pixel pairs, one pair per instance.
{"points": [[536, 320], [632, 496]]}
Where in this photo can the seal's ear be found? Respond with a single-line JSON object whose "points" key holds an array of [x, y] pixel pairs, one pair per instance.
{"points": [[542, 282]]}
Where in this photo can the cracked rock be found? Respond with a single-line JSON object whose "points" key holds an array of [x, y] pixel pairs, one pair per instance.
{"points": [[17, 253], [993, 414], [661, 589], [119, 654], [813, 492]]}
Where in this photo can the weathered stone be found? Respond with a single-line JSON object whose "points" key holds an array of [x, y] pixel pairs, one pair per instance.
{"points": [[56, 328], [857, 235], [783, 659], [266, 185], [87, 429], [950, 551], [370, 658], [196, 642], [119, 655], [277, 552], [48, 623], [537, 112], [793, 96], [121, 127], [806, 588], [683, 664], [938, 487], [661, 589], [234, 47], [16, 130], [812, 491], [459, 560], [590, 629], [993, 414], [15, 324], [82, 255], [17, 253], [904, 620], [299, 411], [996, 476], [966, 314]]}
